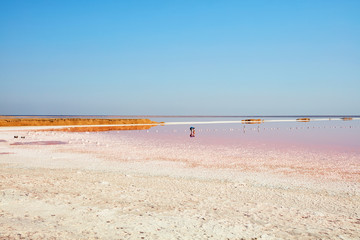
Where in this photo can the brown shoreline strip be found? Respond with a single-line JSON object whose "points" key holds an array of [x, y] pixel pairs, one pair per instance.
{"points": [[303, 119], [11, 122], [101, 129], [252, 121]]}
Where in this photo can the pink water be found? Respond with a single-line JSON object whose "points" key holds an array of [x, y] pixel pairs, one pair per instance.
{"points": [[341, 136], [327, 150], [39, 143]]}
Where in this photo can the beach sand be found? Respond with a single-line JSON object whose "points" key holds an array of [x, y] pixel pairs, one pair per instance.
{"points": [[66, 185]]}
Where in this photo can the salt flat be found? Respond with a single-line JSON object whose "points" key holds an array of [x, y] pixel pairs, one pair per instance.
{"points": [[96, 187]]}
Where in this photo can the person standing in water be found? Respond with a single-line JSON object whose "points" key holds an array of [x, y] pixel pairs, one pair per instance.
{"points": [[192, 132]]}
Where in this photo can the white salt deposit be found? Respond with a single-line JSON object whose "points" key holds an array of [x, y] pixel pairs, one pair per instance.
{"points": [[134, 185]]}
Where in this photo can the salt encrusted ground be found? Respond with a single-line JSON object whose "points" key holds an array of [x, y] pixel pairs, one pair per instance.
{"points": [[127, 188]]}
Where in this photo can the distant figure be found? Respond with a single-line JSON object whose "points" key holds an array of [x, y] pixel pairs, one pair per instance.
{"points": [[192, 132]]}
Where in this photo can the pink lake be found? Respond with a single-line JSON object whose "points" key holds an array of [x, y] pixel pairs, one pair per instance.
{"points": [[321, 149], [340, 136]]}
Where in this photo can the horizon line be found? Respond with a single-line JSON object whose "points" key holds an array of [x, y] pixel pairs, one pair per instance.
{"points": [[180, 116]]}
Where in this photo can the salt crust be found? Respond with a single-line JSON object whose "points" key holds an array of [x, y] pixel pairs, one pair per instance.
{"points": [[95, 187]]}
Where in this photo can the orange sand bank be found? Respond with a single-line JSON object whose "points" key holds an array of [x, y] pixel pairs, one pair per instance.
{"points": [[9, 122], [102, 129], [252, 121], [303, 119]]}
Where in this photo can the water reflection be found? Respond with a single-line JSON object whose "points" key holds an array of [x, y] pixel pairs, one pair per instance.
{"points": [[324, 135]]}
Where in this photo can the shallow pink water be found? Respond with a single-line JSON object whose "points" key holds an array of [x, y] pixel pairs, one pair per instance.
{"points": [[39, 143], [326, 150], [338, 136]]}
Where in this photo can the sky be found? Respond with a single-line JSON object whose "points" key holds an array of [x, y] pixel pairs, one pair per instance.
{"points": [[249, 57]]}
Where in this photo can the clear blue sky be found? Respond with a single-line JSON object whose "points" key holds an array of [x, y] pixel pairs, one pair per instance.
{"points": [[180, 57]]}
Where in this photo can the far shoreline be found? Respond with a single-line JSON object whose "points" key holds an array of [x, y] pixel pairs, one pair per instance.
{"points": [[22, 122]]}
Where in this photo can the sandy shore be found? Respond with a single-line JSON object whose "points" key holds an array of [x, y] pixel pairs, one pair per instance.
{"points": [[10, 122], [86, 186]]}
